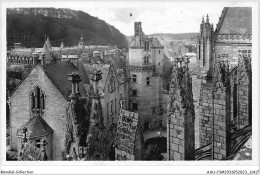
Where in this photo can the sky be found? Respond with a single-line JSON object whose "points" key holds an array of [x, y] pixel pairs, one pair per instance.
{"points": [[156, 17]]}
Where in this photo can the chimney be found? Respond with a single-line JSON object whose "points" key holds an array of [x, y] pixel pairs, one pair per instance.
{"points": [[35, 58], [95, 76], [74, 78], [138, 28], [43, 61]]}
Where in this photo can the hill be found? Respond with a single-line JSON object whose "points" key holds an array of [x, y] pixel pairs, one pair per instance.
{"points": [[176, 36], [30, 26]]}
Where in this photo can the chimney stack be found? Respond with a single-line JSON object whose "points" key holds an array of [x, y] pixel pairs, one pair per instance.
{"points": [[74, 78], [95, 76], [138, 28]]}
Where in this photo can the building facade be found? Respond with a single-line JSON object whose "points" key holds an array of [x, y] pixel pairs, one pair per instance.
{"points": [[146, 69]]}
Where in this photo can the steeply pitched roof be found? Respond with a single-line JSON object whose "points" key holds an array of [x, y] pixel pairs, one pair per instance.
{"points": [[58, 73], [37, 127], [235, 20], [156, 43], [47, 52]]}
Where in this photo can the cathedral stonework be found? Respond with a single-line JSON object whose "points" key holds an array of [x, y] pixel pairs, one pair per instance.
{"points": [[181, 114]]}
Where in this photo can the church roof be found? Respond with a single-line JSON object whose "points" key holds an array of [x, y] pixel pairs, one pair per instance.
{"points": [[235, 20], [58, 73], [47, 52], [37, 127]]}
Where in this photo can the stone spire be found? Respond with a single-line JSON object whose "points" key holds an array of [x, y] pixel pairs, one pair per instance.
{"points": [[62, 45], [207, 19], [181, 114], [46, 51], [48, 43]]}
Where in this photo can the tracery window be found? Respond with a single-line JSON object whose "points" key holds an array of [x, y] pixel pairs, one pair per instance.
{"points": [[37, 99]]}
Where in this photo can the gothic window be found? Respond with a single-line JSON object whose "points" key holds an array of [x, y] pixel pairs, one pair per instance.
{"points": [[37, 98], [111, 85], [38, 143], [134, 78], [107, 109], [134, 106], [111, 109], [32, 100], [159, 51], [146, 60], [134, 92], [148, 81], [146, 45], [115, 106]]}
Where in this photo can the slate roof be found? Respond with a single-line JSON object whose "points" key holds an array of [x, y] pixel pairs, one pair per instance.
{"points": [[235, 20], [47, 52], [126, 131], [58, 73], [156, 43], [21, 54], [36, 127]]}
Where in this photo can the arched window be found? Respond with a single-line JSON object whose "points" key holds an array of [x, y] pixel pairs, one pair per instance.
{"points": [[37, 97], [32, 100]]}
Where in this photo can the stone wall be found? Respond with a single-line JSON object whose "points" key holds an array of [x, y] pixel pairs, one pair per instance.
{"points": [[180, 121], [205, 112], [196, 86], [231, 51], [54, 113]]}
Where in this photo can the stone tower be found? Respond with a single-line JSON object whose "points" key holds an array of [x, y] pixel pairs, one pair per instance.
{"points": [[181, 114], [146, 65], [81, 44]]}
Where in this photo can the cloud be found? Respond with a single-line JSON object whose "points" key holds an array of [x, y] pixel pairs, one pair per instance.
{"points": [[157, 17]]}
